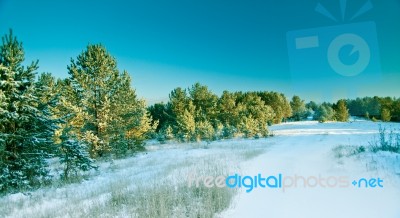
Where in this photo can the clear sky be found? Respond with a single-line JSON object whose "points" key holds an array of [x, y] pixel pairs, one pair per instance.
{"points": [[227, 45]]}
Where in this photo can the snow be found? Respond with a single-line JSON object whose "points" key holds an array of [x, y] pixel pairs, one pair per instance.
{"points": [[297, 148], [305, 148]]}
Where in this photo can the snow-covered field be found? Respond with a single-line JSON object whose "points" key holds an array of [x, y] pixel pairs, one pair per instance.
{"points": [[154, 184], [305, 149]]}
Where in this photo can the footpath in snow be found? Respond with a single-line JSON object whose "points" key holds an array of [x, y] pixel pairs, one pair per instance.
{"points": [[305, 149]]}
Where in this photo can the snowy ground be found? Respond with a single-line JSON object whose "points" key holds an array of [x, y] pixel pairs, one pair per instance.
{"points": [[301, 148], [305, 149]]}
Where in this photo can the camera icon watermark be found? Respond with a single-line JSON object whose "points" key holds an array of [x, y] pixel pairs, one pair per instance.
{"points": [[345, 55]]}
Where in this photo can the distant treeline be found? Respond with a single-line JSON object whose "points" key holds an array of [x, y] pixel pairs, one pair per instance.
{"points": [[386, 109], [196, 113], [95, 113]]}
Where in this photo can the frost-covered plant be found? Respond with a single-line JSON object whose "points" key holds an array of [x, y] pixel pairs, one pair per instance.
{"points": [[26, 126], [388, 140], [74, 156]]}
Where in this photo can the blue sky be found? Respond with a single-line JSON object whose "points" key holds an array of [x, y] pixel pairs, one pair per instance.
{"points": [[227, 45]]}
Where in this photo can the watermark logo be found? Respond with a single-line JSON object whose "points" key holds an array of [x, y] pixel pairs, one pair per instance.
{"points": [[368, 183], [345, 54], [282, 182]]}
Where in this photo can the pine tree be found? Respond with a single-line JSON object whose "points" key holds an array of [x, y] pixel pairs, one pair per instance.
{"points": [[45, 90], [385, 115], [204, 131], [26, 129], [205, 103], [113, 117], [70, 109], [74, 156], [324, 113], [254, 115], [312, 106], [183, 114], [249, 126], [279, 104], [342, 113], [396, 110], [227, 109], [94, 76], [132, 123], [178, 100], [163, 114], [298, 108], [168, 133], [186, 123]]}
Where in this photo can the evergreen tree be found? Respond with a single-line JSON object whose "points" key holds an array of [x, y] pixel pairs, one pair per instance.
{"points": [[186, 123], [342, 113], [74, 156], [298, 108], [168, 132], [385, 115], [227, 109], [183, 114], [373, 106], [324, 113], [26, 128], [360, 106], [254, 115], [163, 114], [103, 97], [132, 122], [204, 131], [70, 110], [396, 110], [386, 102], [46, 90], [312, 106], [178, 101], [205, 103], [279, 104]]}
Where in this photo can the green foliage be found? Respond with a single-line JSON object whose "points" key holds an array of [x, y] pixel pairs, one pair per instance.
{"points": [[396, 110], [169, 133], [178, 101], [254, 115], [341, 111], [186, 124], [205, 103], [229, 132], [385, 115], [250, 127], [227, 109], [26, 127], [324, 113], [103, 108], [385, 108], [298, 108], [279, 104], [204, 131], [312, 106], [198, 114], [162, 113], [74, 156]]}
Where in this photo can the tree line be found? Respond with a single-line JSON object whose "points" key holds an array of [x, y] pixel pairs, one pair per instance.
{"points": [[196, 114], [95, 113]]}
